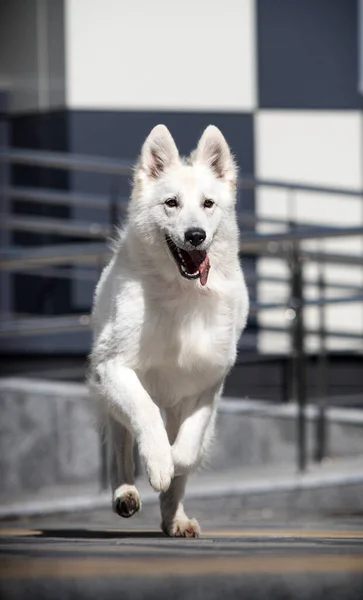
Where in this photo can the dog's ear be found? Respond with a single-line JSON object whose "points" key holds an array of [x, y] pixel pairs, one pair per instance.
{"points": [[158, 152], [214, 151]]}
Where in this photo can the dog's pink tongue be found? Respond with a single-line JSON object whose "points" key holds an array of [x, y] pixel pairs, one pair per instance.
{"points": [[204, 270]]}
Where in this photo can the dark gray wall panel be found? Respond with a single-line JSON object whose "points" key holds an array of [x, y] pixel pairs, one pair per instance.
{"points": [[308, 54], [120, 134], [39, 131]]}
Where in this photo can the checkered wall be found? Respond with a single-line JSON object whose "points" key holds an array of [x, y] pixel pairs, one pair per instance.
{"points": [[279, 77]]}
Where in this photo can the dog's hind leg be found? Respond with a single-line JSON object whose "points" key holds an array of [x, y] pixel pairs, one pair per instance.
{"points": [[175, 522], [120, 445]]}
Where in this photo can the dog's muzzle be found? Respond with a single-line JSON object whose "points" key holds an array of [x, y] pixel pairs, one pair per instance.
{"points": [[192, 264]]}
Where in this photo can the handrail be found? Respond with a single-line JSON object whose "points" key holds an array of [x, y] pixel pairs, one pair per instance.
{"points": [[88, 252], [40, 224], [91, 271], [29, 325], [121, 167], [69, 162], [61, 254], [247, 181], [100, 202], [54, 226], [50, 196]]}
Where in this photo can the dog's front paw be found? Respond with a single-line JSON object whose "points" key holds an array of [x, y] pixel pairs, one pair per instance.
{"points": [[181, 528], [159, 465], [126, 501], [160, 473]]}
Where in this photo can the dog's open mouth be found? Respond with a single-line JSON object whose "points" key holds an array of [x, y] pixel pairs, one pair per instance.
{"points": [[191, 264]]}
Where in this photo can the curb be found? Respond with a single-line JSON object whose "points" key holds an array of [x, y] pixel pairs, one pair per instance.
{"points": [[197, 491]]}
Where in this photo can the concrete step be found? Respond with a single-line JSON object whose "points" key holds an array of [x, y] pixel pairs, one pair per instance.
{"points": [[48, 435], [259, 433], [334, 486]]}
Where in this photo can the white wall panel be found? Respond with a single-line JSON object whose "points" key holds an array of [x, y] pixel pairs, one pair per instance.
{"points": [[186, 55], [322, 148]]}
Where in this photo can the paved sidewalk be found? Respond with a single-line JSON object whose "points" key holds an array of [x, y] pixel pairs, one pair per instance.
{"points": [[250, 555]]}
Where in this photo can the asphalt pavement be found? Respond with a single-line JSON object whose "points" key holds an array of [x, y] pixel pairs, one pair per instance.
{"points": [[255, 555]]}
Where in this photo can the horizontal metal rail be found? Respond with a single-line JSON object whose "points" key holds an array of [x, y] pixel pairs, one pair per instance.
{"points": [[44, 324], [76, 273], [64, 323], [109, 166], [277, 249], [62, 254], [92, 272], [49, 225], [308, 281], [346, 399], [326, 258], [299, 234], [83, 200], [332, 333], [69, 162], [87, 253], [253, 357], [99, 202], [248, 181], [49, 196], [63, 227], [256, 307]]}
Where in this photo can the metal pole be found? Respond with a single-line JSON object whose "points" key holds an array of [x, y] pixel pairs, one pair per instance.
{"points": [[320, 427], [299, 367], [103, 461], [102, 437], [114, 206]]}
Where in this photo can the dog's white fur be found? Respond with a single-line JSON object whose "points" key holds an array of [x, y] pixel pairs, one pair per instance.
{"points": [[162, 342]]}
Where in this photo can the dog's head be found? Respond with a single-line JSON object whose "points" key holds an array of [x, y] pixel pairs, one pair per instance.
{"points": [[179, 206]]}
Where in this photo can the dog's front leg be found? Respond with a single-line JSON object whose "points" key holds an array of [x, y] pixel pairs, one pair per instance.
{"points": [[131, 405], [190, 432], [195, 431]]}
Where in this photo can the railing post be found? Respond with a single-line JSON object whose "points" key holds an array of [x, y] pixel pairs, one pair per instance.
{"points": [[102, 437], [114, 205], [298, 355], [320, 426], [103, 461]]}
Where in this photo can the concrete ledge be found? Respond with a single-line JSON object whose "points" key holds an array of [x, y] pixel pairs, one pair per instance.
{"points": [[257, 433], [62, 389], [48, 435], [260, 408], [333, 487], [235, 406]]}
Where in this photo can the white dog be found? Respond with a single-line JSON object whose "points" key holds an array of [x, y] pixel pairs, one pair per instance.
{"points": [[169, 310]]}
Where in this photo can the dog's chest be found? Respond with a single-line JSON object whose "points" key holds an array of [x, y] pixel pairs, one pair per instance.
{"points": [[187, 339]]}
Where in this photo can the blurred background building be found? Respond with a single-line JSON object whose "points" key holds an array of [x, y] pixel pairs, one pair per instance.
{"points": [[92, 77]]}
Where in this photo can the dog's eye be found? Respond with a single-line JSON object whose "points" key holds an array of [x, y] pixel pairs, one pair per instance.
{"points": [[208, 203], [171, 202]]}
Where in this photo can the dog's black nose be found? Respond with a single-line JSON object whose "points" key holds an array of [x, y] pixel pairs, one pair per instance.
{"points": [[195, 236]]}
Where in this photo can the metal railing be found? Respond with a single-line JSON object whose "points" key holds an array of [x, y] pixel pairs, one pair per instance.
{"points": [[89, 257]]}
